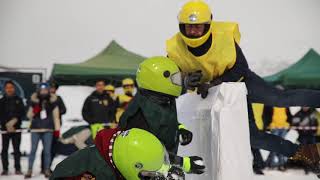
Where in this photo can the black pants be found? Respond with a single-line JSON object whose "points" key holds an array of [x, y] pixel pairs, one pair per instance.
{"points": [[258, 162], [262, 140], [53, 152], [261, 92], [16, 140], [307, 139]]}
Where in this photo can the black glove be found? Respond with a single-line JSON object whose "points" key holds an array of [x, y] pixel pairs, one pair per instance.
{"points": [[203, 90], [192, 80], [215, 82], [193, 165], [185, 135]]}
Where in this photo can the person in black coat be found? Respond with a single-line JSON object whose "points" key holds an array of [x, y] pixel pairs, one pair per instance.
{"points": [[99, 108], [43, 112], [12, 110]]}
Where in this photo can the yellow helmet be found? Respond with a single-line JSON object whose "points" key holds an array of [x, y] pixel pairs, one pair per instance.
{"points": [[136, 151], [127, 81], [195, 12], [160, 74], [109, 87]]}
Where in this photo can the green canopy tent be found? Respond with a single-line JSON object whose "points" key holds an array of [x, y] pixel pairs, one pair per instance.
{"points": [[112, 65], [303, 74]]}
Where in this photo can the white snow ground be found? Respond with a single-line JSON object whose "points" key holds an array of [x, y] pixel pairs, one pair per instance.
{"points": [[269, 174]]}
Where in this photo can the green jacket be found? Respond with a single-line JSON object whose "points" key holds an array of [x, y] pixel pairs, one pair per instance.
{"points": [[156, 115], [85, 160]]}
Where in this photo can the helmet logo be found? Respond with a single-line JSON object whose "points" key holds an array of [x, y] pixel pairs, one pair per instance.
{"points": [[125, 133], [138, 165], [193, 18]]}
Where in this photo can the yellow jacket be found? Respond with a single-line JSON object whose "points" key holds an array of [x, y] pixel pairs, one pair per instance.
{"points": [[279, 118], [258, 113], [220, 57], [123, 101]]}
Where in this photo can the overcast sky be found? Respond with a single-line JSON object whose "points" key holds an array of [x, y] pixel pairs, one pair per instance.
{"points": [[38, 33]]}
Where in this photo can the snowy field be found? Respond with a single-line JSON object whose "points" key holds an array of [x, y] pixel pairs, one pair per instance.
{"points": [[269, 174]]}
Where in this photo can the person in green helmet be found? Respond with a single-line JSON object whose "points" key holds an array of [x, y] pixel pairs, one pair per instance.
{"points": [[154, 108], [119, 155]]}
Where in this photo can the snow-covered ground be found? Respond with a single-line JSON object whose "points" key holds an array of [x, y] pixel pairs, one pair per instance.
{"points": [[269, 174]]}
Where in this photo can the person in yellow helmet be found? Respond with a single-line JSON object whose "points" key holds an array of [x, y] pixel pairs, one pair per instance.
{"points": [[124, 99], [208, 53], [153, 108], [128, 86], [110, 89]]}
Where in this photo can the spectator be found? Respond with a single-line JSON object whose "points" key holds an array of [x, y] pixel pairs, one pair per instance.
{"points": [[62, 110], [124, 99], [306, 122], [45, 123], [99, 108], [11, 113], [280, 118], [110, 89]]}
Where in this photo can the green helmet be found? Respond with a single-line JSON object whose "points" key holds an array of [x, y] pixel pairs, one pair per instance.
{"points": [[137, 151], [160, 74]]}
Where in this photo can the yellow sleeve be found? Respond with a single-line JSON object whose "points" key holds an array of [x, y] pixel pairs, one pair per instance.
{"points": [[236, 33], [257, 112]]}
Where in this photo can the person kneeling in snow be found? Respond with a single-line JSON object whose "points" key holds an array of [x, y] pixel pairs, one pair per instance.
{"points": [[132, 155]]}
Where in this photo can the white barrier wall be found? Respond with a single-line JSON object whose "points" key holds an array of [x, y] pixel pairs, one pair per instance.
{"points": [[221, 132]]}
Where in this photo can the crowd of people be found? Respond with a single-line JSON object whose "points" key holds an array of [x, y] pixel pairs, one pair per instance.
{"points": [[102, 108]]}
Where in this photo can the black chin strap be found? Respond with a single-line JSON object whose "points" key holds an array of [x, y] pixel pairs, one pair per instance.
{"points": [[157, 97], [202, 49]]}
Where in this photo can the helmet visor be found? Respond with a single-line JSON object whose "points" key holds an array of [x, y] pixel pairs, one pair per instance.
{"points": [[164, 173], [194, 31], [176, 78]]}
